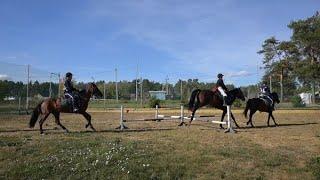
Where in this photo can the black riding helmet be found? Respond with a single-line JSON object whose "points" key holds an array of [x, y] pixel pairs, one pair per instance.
{"points": [[68, 74], [220, 75]]}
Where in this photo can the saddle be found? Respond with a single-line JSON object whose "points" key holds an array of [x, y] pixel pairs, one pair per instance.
{"points": [[66, 103], [267, 100], [217, 92]]}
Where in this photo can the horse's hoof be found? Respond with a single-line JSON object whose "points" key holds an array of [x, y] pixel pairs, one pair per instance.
{"points": [[181, 124]]}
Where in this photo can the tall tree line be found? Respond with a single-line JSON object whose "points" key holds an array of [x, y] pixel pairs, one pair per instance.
{"points": [[296, 61]]}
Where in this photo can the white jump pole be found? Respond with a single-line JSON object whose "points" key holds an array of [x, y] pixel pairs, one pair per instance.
{"points": [[157, 112], [122, 126], [182, 114], [230, 130]]}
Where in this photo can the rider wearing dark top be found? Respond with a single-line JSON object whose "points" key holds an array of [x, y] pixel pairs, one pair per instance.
{"points": [[71, 92], [221, 84], [265, 94], [222, 88]]}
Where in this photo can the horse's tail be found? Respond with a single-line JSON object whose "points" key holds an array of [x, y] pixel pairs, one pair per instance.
{"points": [[35, 114], [193, 98], [245, 112]]}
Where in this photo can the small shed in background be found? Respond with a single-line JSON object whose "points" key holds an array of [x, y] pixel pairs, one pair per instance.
{"points": [[161, 95], [306, 98]]}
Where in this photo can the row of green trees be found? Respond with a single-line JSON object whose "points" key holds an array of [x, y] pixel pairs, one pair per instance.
{"points": [[126, 89], [295, 62]]}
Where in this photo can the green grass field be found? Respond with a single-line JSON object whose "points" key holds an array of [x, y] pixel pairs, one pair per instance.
{"points": [[161, 150]]}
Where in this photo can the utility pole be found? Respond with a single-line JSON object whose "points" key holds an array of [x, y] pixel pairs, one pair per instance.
{"points": [[28, 80], [137, 74], [270, 83], [116, 75], [167, 86], [59, 86], [141, 90], [181, 90], [50, 88], [281, 85], [104, 95]]}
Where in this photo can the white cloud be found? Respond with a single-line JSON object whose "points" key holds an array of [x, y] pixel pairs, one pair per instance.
{"points": [[205, 37], [4, 77], [239, 74], [11, 57]]}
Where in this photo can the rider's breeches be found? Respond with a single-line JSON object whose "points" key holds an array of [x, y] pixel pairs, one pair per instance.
{"points": [[68, 95], [222, 92]]}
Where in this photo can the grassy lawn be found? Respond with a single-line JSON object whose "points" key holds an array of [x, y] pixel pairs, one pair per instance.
{"points": [[161, 150]]}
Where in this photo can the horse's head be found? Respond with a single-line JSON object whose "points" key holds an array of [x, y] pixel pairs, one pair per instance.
{"points": [[275, 97], [239, 94], [93, 89]]}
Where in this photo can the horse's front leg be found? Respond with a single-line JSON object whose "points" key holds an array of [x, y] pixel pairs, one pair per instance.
{"points": [[273, 119], [88, 118], [269, 115]]}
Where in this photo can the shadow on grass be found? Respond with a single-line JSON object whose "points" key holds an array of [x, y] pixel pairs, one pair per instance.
{"points": [[279, 125], [60, 131], [24, 130]]}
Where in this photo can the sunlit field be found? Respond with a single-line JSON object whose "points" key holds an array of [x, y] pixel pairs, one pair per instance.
{"points": [[162, 150]]}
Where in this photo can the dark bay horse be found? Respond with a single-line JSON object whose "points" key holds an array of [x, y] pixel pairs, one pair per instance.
{"points": [[257, 104], [200, 98], [56, 106]]}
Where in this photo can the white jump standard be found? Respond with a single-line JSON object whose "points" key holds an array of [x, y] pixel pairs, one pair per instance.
{"points": [[160, 118]]}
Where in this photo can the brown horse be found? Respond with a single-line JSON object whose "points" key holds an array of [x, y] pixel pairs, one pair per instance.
{"points": [[57, 106], [200, 98], [257, 104]]}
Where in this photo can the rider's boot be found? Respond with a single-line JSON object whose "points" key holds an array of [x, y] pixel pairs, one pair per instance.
{"points": [[75, 106]]}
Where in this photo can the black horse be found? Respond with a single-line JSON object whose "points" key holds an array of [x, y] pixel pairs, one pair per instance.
{"points": [[200, 98], [258, 104]]}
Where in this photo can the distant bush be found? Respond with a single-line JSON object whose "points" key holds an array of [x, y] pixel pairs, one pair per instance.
{"points": [[153, 102], [297, 101], [237, 103]]}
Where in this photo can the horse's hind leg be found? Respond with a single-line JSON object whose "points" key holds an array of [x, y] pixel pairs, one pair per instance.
{"points": [[250, 118], [193, 113], [57, 119], [43, 118], [88, 118], [234, 120]]}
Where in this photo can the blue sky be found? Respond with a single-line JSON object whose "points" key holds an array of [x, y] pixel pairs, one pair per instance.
{"points": [[179, 39]]}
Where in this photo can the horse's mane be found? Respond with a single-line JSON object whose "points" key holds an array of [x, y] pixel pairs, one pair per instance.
{"points": [[234, 90], [82, 91]]}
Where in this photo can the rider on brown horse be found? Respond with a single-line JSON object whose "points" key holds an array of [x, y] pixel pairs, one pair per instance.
{"points": [[71, 93], [222, 88]]}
